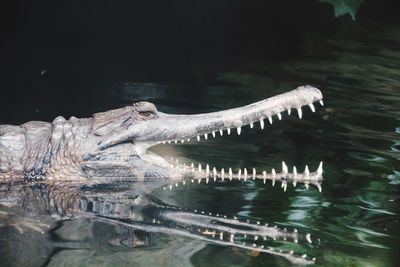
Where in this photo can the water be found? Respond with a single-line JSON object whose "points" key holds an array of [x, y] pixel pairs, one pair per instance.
{"points": [[354, 221]]}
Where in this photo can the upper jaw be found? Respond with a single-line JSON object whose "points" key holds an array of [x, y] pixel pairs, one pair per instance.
{"points": [[180, 128]]}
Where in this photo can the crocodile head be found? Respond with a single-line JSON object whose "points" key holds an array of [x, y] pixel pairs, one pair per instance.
{"points": [[121, 138]]}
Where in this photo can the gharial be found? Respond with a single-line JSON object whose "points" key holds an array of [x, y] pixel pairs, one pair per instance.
{"points": [[112, 146]]}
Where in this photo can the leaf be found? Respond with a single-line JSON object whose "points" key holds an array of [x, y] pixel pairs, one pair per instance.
{"points": [[344, 7]]}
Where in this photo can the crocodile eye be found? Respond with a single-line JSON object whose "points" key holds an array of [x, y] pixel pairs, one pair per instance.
{"points": [[145, 113]]}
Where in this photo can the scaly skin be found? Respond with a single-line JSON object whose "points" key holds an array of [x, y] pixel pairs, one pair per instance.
{"points": [[113, 145]]}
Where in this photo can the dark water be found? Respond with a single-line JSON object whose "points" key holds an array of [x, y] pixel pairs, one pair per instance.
{"points": [[354, 221]]}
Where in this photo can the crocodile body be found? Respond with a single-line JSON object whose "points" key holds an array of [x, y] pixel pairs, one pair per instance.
{"points": [[113, 145]]}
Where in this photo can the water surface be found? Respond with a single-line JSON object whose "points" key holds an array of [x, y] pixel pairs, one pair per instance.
{"points": [[354, 221]]}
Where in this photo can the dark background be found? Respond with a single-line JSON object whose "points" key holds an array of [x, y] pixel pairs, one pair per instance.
{"points": [[64, 58]]}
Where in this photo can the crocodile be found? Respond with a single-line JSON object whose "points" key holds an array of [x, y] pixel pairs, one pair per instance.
{"points": [[102, 168], [114, 145]]}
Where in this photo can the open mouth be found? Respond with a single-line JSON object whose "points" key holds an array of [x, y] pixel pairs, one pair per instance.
{"points": [[205, 126]]}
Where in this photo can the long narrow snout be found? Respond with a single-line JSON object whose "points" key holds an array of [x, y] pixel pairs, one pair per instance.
{"points": [[180, 128]]}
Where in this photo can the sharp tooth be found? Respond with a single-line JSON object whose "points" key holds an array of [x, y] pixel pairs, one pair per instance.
{"points": [[273, 172], [170, 187], [222, 174], [182, 141], [299, 112], [239, 130], [254, 173], [230, 173], [207, 179], [206, 136], [169, 142], [198, 138], [284, 168], [262, 123], [284, 186], [289, 111], [221, 132], [239, 174], [183, 182], [207, 170], [231, 238], [199, 168], [221, 236], [321, 102], [229, 131], [251, 125], [245, 174], [164, 142], [198, 180], [319, 187], [192, 166], [294, 172], [270, 120], [279, 116], [213, 133], [319, 171], [264, 176], [312, 107], [307, 185], [306, 171], [214, 174], [294, 183], [176, 141], [188, 139]]}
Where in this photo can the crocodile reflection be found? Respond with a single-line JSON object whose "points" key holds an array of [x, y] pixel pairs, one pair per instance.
{"points": [[126, 205]]}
